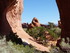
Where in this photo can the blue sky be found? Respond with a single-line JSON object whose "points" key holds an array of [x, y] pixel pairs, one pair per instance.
{"points": [[44, 10]]}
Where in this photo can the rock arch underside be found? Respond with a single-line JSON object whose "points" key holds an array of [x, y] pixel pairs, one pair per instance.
{"points": [[64, 10], [10, 20]]}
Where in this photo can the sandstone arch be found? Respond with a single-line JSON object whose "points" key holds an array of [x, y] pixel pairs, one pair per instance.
{"points": [[64, 10], [10, 13], [10, 20]]}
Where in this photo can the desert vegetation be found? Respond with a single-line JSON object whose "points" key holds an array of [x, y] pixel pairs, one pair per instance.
{"points": [[40, 35], [12, 44], [43, 35], [12, 47]]}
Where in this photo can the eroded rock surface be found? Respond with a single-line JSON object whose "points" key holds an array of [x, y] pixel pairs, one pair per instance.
{"points": [[59, 24], [10, 20], [35, 23], [4, 25], [64, 10]]}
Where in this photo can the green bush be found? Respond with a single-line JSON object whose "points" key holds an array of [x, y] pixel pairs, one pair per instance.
{"points": [[54, 35], [65, 45], [10, 47], [56, 30], [51, 25], [56, 50], [25, 49], [37, 32], [25, 29]]}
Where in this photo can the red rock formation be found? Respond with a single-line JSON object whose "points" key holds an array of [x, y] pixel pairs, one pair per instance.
{"points": [[59, 23], [9, 11], [25, 25], [64, 10], [35, 23], [10, 20], [44, 25], [4, 25]]}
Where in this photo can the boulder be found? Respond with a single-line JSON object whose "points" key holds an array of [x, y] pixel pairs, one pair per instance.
{"points": [[25, 25], [34, 23]]}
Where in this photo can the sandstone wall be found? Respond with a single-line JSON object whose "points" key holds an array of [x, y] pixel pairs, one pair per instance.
{"points": [[64, 10], [10, 20]]}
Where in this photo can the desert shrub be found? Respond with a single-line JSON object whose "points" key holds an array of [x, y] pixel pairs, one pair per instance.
{"points": [[56, 30], [37, 32], [65, 48], [12, 47], [6, 47], [25, 29], [56, 50], [51, 25], [54, 35], [65, 45], [25, 49]]}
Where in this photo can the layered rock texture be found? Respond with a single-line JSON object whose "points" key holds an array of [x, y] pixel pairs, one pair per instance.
{"points": [[64, 10], [10, 21], [10, 13], [35, 23]]}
